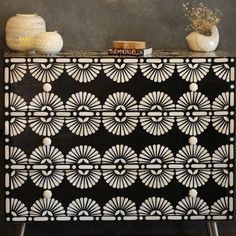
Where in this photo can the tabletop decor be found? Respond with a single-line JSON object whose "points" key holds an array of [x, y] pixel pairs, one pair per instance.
{"points": [[21, 30], [48, 43], [205, 37]]}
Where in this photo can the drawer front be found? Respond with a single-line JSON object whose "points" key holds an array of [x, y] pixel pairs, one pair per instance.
{"points": [[112, 139]]}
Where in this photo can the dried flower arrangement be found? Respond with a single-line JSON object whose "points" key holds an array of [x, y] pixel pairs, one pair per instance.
{"points": [[202, 18]]}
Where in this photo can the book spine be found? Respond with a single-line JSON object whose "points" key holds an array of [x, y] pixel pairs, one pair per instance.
{"points": [[120, 51]]}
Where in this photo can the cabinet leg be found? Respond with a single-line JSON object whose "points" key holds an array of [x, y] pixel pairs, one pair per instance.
{"points": [[209, 230], [212, 228], [20, 229]]}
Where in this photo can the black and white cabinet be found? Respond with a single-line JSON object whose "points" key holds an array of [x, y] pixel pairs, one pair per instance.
{"points": [[100, 138]]}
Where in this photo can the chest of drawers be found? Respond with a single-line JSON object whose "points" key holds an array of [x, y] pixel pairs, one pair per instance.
{"points": [[95, 138]]}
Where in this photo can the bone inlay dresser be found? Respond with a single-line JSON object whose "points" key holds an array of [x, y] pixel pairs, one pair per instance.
{"points": [[90, 137]]}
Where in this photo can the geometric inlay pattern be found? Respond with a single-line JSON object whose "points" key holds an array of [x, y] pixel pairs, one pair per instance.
{"points": [[98, 138]]}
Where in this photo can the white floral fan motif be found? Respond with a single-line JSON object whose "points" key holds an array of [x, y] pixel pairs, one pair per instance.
{"points": [[154, 208], [83, 72], [119, 119], [18, 208], [220, 207], [192, 206], [120, 208], [157, 72], [17, 124], [221, 174], [222, 71], [18, 176], [85, 105], [221, 122], [47, 209], [193, 72], [45, 174], [191, 123], [46, 73], [17, 72], [192, 175], [84, 161], [120, 166], [84, 208], [156, 122], [46, 104], [120, 72], [154, 160]]}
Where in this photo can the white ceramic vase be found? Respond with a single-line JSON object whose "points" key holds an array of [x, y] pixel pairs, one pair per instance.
{"points": [[21, 30], [201, 43], [48, 43]]}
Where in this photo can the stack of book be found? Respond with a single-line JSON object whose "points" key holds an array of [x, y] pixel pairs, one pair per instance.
{"points": [[129, 48]]}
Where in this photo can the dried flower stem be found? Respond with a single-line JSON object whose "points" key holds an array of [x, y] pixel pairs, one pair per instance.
{"points": [[202, 18]]}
